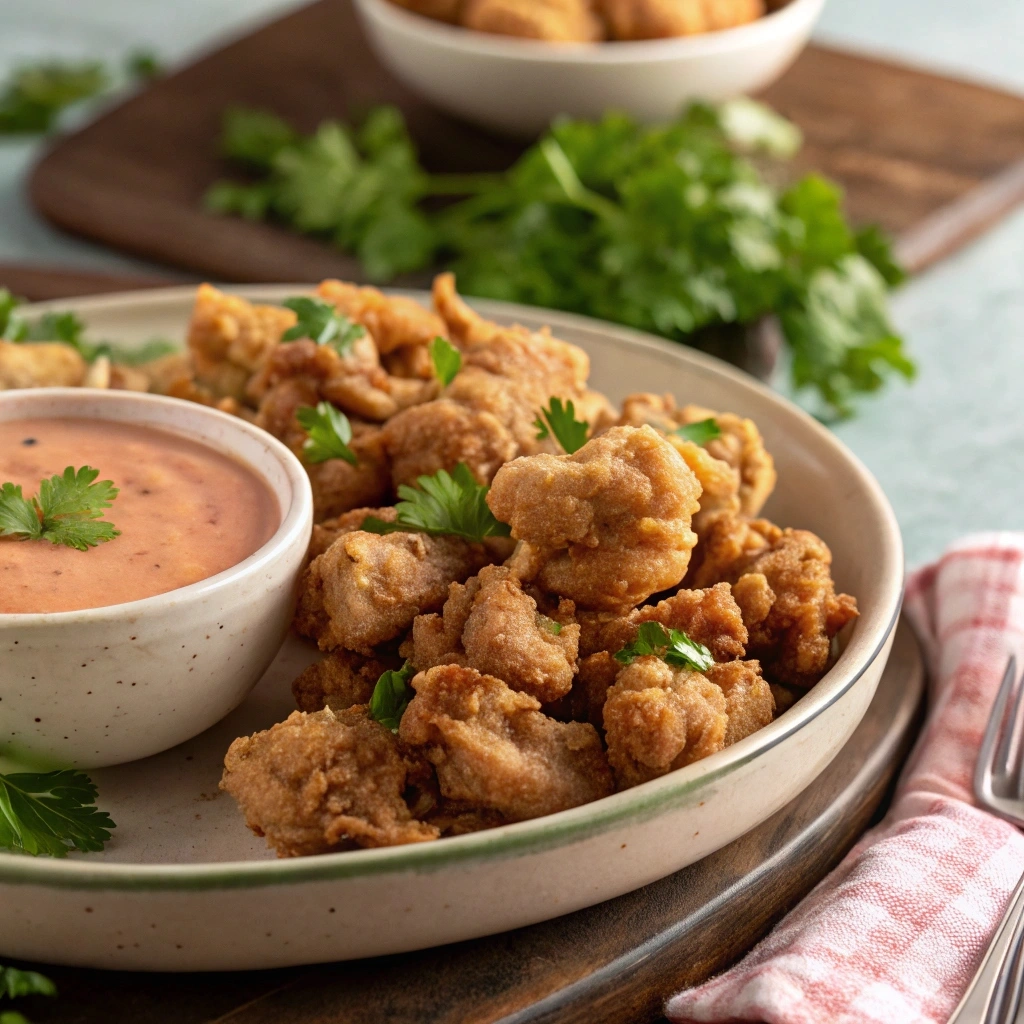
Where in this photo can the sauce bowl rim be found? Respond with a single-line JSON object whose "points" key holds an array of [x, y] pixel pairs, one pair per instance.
{"points": [[295, 525]]}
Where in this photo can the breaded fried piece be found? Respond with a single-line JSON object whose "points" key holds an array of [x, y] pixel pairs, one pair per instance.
{"points": [[39, 364], [338, 486], [494, 750], [231, 339], [392, 320], [661, 19], [710, 617], [728, 545], [491, 625], [356, 382], [658, 719], [164, 371], [321, 782], [439, 10], [458, 819], [754, 598], [736, 473], [748, 698], [327, 532], [560, 21], [793, 640], [366, 589], [342, 680], [605, 527]]}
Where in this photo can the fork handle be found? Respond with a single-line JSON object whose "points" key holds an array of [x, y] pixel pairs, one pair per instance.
{"points": [[977, 1001]]}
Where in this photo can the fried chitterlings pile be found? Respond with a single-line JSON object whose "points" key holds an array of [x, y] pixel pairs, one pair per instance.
{"points": [[587, 616], [589, 21]]}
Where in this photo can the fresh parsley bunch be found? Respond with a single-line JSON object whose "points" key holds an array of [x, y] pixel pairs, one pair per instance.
{"points": [[669, 228]]}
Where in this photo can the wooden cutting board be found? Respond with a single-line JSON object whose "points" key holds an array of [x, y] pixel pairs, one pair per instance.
{"points": [[931, 159], [611, 964]]}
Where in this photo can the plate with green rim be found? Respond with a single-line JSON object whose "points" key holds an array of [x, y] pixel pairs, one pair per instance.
{"points": [[183, 885]]}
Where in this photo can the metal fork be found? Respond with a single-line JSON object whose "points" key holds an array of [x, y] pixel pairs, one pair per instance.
{"points": [[994, 996]]}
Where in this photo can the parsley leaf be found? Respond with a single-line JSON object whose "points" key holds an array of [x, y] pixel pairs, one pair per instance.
{"points": [[675, 648], [391, 697], [51, 813], [15, 983], [35, 96], [68, 510], [554, 628], [321, 322], [329, 434], [447, 360], [560, 420], [447, 504], [700, 433]]}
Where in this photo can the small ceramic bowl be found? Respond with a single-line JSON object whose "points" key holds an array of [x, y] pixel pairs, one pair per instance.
{"points": [[518, 86], [85, 689]]}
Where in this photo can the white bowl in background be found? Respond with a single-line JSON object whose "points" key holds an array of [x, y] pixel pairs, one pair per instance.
{"points": [[518, 86], [196, 861], [102, 686]]}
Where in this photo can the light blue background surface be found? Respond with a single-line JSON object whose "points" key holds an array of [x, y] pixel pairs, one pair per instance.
{"points": [[949, 450]]}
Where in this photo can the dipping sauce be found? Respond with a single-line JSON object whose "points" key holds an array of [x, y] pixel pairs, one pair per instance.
{"points": [[185, 512]]}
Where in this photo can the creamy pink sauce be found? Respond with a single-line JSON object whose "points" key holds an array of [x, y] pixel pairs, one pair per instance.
{"points": [[185, 512]]}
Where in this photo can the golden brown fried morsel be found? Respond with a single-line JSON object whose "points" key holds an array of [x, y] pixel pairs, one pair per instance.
{"points": [[785, 697], [748, 698], [453, 818], [489, 624], [167, 370], [735, 471], [342, 680], [338, 486], [366, 589], [662, 19], [754, 598], [658, 719], [494, 750], [793, 641], [710, 617], [356, 382], [322, 782], [409, 361], [231, 339], [41, 364], [605, 527], [328, 531], [728, 545], [561, 21], [392, 320]]}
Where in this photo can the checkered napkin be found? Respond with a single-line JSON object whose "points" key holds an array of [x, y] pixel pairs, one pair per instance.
{"points": [[896, 932]]}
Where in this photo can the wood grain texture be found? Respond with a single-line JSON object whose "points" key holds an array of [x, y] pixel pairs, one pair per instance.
{"points": [[611, 964], [37, 284], [908, 147]]}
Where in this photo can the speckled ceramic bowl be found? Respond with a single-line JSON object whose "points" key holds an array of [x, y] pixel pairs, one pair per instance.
{"points": [[103, 686]]}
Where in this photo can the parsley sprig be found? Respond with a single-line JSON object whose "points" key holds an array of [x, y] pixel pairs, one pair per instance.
{"points": [[321, 322], [445, 504], [329, 433], [68, 510], [669, 228], [391, 696], [700, 432], [51, 813], [675, 648], [15, 983], [447, 360], [560, 420]]}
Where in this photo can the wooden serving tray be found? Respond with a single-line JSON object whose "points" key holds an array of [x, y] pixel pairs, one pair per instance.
{"points": [[615, 963], [931, 159]]}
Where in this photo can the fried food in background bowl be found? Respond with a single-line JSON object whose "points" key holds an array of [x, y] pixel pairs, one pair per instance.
{"points": [[512, 66]]}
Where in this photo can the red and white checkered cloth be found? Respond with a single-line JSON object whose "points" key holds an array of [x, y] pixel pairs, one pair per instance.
{"points": [[896, 932]]}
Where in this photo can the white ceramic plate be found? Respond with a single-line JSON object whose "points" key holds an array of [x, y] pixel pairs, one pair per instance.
{"points": [[184, 886], [518, 86]]}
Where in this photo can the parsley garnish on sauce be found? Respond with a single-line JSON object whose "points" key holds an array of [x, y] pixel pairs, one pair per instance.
{"points": [[68, 510], [445, 504], [675, 648], [700, 433], [321, 322], [447, 360], [51, 813], [391, 697], [329, 433], [560, 420]]}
